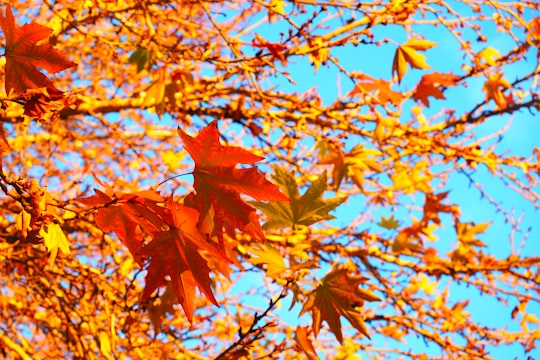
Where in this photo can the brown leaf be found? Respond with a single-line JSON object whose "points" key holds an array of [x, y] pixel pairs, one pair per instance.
{"points": [[338, 295]]}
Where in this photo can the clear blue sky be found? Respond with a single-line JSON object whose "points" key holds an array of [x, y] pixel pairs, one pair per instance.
{"points": [[520, 139]]}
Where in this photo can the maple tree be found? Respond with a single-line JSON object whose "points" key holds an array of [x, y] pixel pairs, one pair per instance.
{"points": [[188, 179]]}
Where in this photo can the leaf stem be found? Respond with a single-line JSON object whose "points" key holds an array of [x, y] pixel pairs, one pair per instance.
{"points": [[171, 178]]}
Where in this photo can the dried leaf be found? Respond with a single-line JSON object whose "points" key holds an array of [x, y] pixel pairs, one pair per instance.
{"points": [[494, 87], [433, 85], [305, 343]]}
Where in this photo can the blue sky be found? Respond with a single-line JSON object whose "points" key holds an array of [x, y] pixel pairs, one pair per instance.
{"points": [[520, 139]]}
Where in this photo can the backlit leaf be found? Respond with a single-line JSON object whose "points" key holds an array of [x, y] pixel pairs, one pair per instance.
{"points": [[407, 54], [338, 295], [23, 56], [300, 210], [54, 239], [218, 183]]}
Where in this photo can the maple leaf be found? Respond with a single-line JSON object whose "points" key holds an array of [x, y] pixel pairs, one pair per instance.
{"points": [[218, 184], [159, 309], [384, 128], [408, 54], [128, 214], [300, 210], [381, 89], [23, 56], [433, 206], [388, 222], [352, 164], [304, 343], [176, 253], [489, 55], [409, 238], [332, 154], [467, 241], [320, 55], [276, 49], [466, 232], [269, 255], [338, 295], [494, 86], [434, 85]]}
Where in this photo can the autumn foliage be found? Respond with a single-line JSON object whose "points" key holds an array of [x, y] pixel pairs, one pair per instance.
{"points": [[184, 179]]}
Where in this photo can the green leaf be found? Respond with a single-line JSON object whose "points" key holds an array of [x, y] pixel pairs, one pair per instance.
{"points": [[302, 210], [142, 57]]}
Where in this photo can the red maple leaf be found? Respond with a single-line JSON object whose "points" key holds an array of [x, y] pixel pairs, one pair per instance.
{"points": [[129, 215], [218, 184], [276, 49], [175, 253], [23, 56], [433, 85], [176, 243]]}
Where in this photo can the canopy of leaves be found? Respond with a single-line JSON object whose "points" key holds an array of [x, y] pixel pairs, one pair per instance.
{"points": [[420, 112]]}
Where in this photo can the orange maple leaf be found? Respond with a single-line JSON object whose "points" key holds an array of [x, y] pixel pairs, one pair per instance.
{"points": [[218, 184], [23, 56], [494, 87], [433, 206], [434, 85], [381, 88], [276, 49], [338, 295]]}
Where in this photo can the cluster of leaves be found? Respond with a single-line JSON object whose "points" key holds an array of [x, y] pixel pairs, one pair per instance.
{"points": [[78, 292]]}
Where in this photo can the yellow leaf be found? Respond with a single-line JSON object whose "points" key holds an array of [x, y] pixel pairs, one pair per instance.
{"points": [[489, 55], [408, 54], [384, 125], [420, 44], [105, 344], [269, 255], [320, 54], [415, 59], [54, 239], [399, 65]]}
